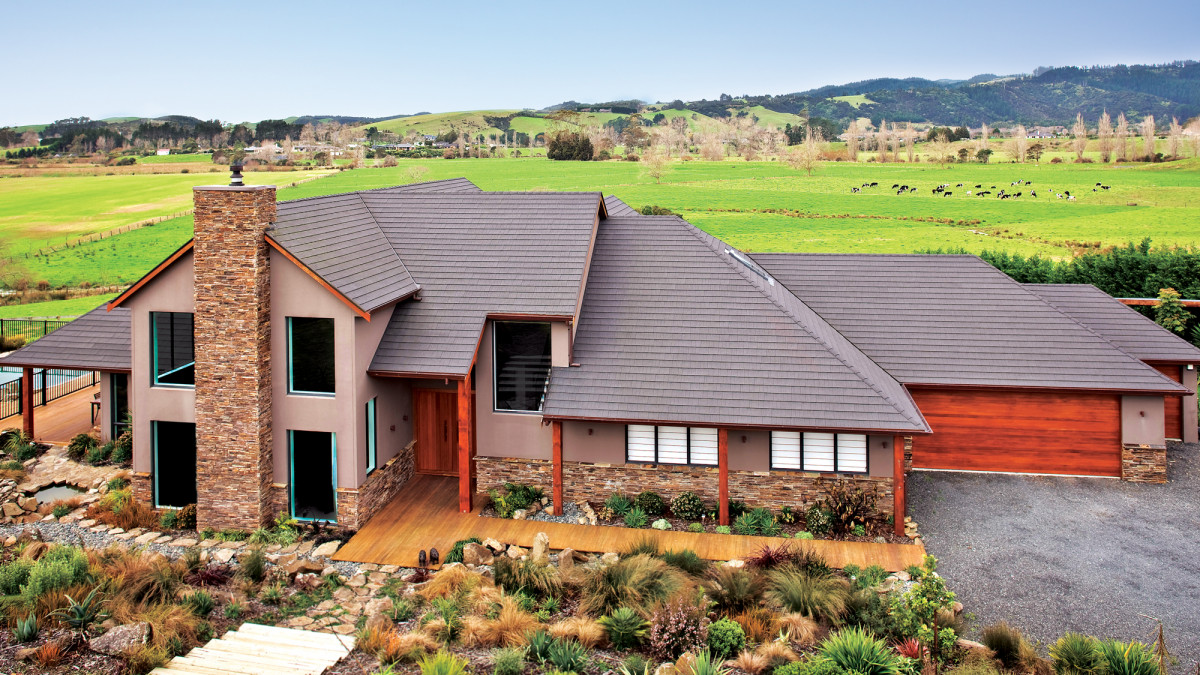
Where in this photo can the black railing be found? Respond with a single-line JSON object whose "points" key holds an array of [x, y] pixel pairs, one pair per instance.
{"points": [[48, 384], [28, 329]]}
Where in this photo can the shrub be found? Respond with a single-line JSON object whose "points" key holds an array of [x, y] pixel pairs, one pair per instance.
{"points": [[676, 627], [819, 519], [1005, 641], [568, 656], [456, 551], [1076, 654], [686, 560], [661, 524], [787, 515], [272, 595], [1133, 658], [855, 650], [448, 622], [60, 509], [402, 610], [442, 663], [80, 445], [59, 567], [695, 527], [725, 638], [759, 623], [26, 630], [13, 575], [122, 450], [625, 628], [49, 655], [538, 648], [118, 483], [721, 529], [650, 503], [636, 582], [734, 589], [186, 517], [645, 545], [849, 504], [814, 666], [804, 535], [508, 661], [737, 508], [799, 628], [618, 503], [99, 454], [688, 506], [635, 664], [526, 576], [169, 519], [635, 518], [769, 557], [744, 524], [818, 597], [157, 582], [200, 603]]}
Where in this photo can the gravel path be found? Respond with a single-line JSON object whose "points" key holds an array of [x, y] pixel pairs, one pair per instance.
{"points": [[1084, 554]]}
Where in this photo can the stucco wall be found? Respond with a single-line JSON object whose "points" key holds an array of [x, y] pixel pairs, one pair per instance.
{"points": [[511, 434], [1190, 432], [393, 408], [1142, 420], [170, 291]]}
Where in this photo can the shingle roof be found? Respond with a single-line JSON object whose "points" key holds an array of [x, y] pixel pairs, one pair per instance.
{"points": [[98, 340], [674, 329], [616, 207], [1117, 323], [479, 254], [945, 319]]}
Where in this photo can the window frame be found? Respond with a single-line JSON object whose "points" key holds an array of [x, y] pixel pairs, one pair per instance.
{"points": [[291, 390], [154, 353], [657, 461], [292, 477], [116, 425], [372, 435], [154, 472], [837, 468], [496, 368]]}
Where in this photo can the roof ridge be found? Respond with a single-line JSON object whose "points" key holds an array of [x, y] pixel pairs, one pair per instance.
{"points": [[742, 270], [378, 189]]}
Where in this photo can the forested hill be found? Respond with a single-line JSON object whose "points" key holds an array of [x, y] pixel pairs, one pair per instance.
{"points": [[1050, 96]]}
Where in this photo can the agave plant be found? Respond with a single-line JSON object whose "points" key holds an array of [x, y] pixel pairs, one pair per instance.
{"points": [[1076, 654], [625, 628], [81, 615], [856, 650], [1133, 658]]}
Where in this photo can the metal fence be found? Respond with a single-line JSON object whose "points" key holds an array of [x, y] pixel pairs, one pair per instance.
{"points": [[48, 384], [28, 329]]}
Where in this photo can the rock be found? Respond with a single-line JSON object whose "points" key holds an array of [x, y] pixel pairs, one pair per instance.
{"points": [[963, 643], [183, 543], [11, 541], [519, 514], [917, 541], [301, 621], [903, 576], [13, 510], [116, 640], [28, 503], [343, 594], [357, 580], [880, 540], [610, 558], [389, 569], [735, 563], [327, 549], [534, 508], [515, 552], [344, 629], [566, 559], [379, 607], [306, 581], [223, 555], [302, 566], [304, 547], [475, 554], [887, 586], [328, 571], [540, 553], [494, 545], [26, 654], [957, 607], [87, 522]]}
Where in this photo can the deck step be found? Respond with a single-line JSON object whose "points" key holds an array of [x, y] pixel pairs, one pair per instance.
{"points": [[262, 650]]}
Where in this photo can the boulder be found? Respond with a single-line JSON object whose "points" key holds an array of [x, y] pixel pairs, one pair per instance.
{"points": [[327, 549], [302, 566], [540, 553], [735, 563], [610, 558], [903, 576], [475, 554], [115, 641], [381, 606], [306, 581], [28, 503], [223, 555], [494, 545], [957, 607], [534, 508], [515, 552], [13, 510], [519, 514], [566, 559]]}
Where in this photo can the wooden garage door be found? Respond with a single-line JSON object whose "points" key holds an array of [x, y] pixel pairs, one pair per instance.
{"points": [[1172, 405], [1020, 432]]}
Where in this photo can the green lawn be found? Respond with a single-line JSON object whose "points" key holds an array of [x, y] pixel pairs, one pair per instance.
{"points": [[855, 100], [190, 158], [758, 206], [54, 308]]}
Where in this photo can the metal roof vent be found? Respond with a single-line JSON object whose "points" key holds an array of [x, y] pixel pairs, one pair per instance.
{"points": [[235, 178], [741, 257]]}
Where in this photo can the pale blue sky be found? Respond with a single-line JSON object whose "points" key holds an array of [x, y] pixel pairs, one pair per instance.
{"points": [[253, 60]]}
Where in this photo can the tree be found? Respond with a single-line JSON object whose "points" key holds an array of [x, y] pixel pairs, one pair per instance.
{"points": [[1018, 144], [983, 137], [1079, 131], [852, 141], [1174, 138], [1035, 152], [881, 141], [804, 157], [910, 142], [414, 173], [30, 139], [712, 149], [1148, 137], [1104, 131], [1170, 312], [939, 147], [566, 144], [656, 162], [1122, 135], [983, 155]]}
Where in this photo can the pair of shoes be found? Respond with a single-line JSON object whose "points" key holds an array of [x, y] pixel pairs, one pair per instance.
{"points": [[432, 558]]}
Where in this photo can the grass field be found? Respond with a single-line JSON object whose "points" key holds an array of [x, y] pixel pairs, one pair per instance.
{"points": [[54, 308], [855, 100], [758, 206], [191, 158]]}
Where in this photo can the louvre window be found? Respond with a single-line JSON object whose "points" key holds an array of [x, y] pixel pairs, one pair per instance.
{"points": [[648, 444], [819, 452], [372, 437], [174, 349]]}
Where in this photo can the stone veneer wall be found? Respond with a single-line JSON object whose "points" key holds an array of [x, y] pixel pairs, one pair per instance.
{"points": [[142, 484], [1144, 463], [595, 482], [908, 443], [233, 356]]}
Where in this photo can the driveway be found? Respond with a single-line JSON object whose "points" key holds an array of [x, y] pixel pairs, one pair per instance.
{"points": [[1050, 555]]}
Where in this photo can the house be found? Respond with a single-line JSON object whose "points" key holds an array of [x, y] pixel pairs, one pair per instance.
{"points": [[311, 356], [162, 151]]}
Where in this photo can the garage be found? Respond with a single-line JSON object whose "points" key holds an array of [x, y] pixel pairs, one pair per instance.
{"points": [[1173, 410], [1076, 433]]}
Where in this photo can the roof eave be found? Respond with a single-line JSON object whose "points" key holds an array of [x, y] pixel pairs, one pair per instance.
{"points": [[149, 276]]}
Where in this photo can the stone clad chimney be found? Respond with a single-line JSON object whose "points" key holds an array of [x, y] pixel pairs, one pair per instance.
{"points": [[234, 468]]}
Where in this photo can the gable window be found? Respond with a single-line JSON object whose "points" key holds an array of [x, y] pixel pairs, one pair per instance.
{"points": [[372, 437], [819, 452], [521, 365], [310, 356], [173, 349], [648, 444]]}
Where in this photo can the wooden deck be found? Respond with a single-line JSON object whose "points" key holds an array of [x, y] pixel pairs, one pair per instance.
{"points": [[425, 515], [263, 650], [62, 419]]}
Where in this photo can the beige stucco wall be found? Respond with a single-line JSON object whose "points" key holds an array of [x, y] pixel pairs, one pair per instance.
{"points": [[170, 291], [393, 409], [1190, 432], [1142, 420]]}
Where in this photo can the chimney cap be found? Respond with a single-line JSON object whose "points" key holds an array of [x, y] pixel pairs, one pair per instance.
{"points": [[235, 178]]}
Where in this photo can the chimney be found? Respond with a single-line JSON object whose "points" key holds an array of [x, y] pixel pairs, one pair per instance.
{"points": [[234, 469]]}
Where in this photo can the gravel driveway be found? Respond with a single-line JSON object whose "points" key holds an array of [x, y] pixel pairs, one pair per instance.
{"points": [[1050, 555]]}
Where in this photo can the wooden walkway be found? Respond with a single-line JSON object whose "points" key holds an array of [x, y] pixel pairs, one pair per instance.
{"points": [[425, 515], [263, 649], [62, 419]]}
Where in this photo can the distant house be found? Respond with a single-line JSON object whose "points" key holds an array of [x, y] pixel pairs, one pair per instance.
{"points": [[163, 151], [310, 356]]}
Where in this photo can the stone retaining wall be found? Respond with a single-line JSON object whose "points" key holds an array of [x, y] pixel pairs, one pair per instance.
{"points": [[1144, 463], [384, 484]]}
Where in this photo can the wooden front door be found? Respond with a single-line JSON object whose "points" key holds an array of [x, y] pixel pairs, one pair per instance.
{"points": [[435, 419]]}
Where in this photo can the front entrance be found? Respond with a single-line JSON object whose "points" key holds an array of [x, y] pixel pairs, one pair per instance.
{"points": [[435, 421]]}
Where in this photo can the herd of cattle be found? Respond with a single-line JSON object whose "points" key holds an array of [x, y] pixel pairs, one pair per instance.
{"points": [[978, 191]]}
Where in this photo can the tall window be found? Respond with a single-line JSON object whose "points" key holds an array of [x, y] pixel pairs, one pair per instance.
{"points": [[174, 464], [819, 452], [173, 349], [313, 469], [119, 406], [310, 356], [372, 437], [648, 444], [522, 364]]}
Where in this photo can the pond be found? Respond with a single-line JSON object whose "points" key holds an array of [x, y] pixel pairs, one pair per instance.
{"points": [[56, 492]]}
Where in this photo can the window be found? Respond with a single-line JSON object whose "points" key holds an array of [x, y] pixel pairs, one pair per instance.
{"points": [[372, 436], [819, 452], [119, 404], [310, 356], [521, 365], [648, 444], [174, 464], [173, 349], [312, 468]]}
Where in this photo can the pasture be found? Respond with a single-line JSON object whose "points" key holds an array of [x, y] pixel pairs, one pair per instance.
{"points": [[757, 206]]}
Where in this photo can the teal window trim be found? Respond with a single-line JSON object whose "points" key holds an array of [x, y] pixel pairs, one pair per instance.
{"points": [[154, 472], [372, 436], [290, 389], [292, 479], [154, 375]]}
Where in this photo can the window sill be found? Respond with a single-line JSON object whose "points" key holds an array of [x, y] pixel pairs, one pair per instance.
{"points": [[517, 412], [159, 385], [312, 394]]}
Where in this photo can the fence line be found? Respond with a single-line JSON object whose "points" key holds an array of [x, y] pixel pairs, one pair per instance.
{"points": [[48, 384], [29, 329], [97, 236]]}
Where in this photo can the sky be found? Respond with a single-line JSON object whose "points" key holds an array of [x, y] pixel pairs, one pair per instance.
{"points": [[247, 61]]}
